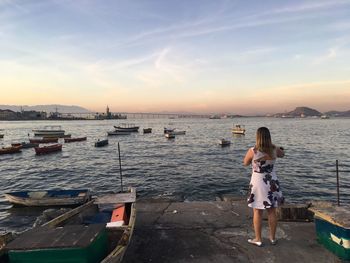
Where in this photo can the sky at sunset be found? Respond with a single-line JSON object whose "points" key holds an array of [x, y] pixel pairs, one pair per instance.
{"points": [[202, 56]]}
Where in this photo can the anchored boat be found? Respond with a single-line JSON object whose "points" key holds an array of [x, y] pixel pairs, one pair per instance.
{"points": [[48, 149], [128, 127], [238, 129], [101, 143], [98, 231], [78, 139], [48, 197], [10, 149], [43, 140], [49, 131]]}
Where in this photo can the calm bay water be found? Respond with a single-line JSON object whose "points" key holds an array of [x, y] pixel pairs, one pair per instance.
{"points": [[190, 167]]}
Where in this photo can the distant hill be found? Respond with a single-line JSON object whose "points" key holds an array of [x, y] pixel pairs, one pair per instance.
{"points": [[300, 112], [338, 113], [47, 108]]}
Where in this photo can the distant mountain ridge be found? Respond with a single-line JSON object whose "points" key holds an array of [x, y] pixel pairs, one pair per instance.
{"points": [[309, 112], [46, 108]]}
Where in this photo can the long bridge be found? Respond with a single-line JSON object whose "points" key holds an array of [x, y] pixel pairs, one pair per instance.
{"points": [[134, 115]]}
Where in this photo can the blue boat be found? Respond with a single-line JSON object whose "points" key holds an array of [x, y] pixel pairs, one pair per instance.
{"points": [[49, 197], [333, 228]]}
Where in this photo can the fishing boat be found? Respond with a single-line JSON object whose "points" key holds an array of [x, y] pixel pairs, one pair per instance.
{"points": [[26, 145], [224, 142], [48, 149], [128, 127], [43, 140], [78, 139], [49, 131], [10, 150], [113, 133], [49, 197], [101, 143], [147, 130], [98, 231], [238, 129], [169, 135], [333, 227]]}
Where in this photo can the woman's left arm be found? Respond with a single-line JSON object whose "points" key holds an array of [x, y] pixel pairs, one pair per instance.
{"points": [[248, 157]]}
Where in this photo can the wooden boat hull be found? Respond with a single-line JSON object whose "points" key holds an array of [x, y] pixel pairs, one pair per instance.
{"points": [[68, 140], [148, 130], [48, 149], [49, 198], [69, 238], [10, 150], [114, 133], [26, 145], [44, 140], [127, 129]]}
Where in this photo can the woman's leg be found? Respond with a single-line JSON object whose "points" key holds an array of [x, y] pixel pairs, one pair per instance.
{"points": [[257, 218], [272, 218]]}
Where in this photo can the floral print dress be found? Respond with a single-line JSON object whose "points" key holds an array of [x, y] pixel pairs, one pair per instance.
{"points": [[264, 186]]}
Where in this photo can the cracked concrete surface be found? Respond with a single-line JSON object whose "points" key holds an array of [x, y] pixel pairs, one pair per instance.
{"points": [[216, 232]]}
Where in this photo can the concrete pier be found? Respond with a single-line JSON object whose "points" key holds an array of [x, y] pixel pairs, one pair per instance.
{"points": [[216, 231]]}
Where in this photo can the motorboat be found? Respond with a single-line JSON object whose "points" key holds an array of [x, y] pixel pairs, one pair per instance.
{"points": [[224, 142], [118, 132], [49, 131], [48, 197], [178, 132], [10, 149], [77, 139], [41, 150], [238, 129], [128, 127], [169, 135], [167, 130], [147, 130], [101, 143]]}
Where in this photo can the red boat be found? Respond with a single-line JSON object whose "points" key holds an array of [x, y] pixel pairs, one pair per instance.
{"points": [[44, 140], [75, 139], [12, 149], [48, 149]]}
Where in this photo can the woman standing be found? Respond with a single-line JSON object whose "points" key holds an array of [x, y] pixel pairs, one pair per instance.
{"points": [[264, 187]]}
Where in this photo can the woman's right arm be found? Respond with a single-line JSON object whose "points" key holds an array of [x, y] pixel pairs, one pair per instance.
{"points": [[248, 157]]}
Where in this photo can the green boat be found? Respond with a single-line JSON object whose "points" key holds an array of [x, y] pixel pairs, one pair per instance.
{"points": [[85, 234], [333, 228]]}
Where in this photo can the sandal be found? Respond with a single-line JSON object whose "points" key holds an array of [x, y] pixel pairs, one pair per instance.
{"points": [[273, 241], [256, 243]]}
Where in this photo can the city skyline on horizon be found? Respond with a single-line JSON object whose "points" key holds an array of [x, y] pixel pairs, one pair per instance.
{"points": [[198, 57]]}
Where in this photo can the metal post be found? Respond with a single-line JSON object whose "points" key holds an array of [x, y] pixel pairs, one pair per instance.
{"points": [[120, 169], [337, 171]]}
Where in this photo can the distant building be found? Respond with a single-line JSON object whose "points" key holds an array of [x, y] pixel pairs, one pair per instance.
{"points": [[109, 116], [8, 115]]}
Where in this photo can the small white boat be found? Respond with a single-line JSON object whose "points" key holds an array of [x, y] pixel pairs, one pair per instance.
{"points": [[169, 135], [128, 127], [224, 142], [238, 129]]}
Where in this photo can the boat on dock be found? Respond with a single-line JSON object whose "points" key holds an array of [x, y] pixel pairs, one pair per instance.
{"points": [[43, 140], [238, 129], [147, 130], [113, 133], [333, 227], [10, 150], [98, 231], [49, 197], [49, 131], [77, 139], [48, 149], [224, 142], [128, 127], [101, 143], [26, 145]]}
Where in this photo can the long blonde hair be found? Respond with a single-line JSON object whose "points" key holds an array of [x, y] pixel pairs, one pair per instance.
{"points": [[264, 143]]}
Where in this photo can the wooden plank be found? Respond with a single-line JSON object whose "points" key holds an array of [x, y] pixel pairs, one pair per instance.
{"points": [[116, 198]]}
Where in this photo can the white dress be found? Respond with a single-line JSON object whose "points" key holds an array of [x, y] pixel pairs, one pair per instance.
{"points": [[264, 188]]}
